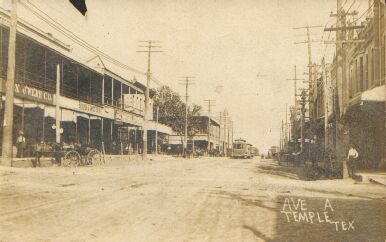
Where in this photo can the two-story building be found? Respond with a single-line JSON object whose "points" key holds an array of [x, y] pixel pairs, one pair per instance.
{"points": [[205, 139], [98, 107], [362, 92]]}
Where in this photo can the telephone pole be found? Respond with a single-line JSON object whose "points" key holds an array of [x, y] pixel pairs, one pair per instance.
{"points": [[149, 49], [187, 82], [308, 42], [325, 99], [9, 91], [303, 100], [231, 138], [341, 41], [156, 132], [295, 79], [286, 129], [211, 104]]}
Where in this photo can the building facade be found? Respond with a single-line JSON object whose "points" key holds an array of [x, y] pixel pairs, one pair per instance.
{"points": [[97, 107]]}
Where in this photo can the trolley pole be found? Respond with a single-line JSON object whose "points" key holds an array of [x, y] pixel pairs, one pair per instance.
{"points": [[57, 107], [186, 82], [210, 105], [156, 132], [149, 49], [9, 91]]}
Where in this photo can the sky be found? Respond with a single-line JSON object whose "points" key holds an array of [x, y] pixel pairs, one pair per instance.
{"points": [[241, 53]]}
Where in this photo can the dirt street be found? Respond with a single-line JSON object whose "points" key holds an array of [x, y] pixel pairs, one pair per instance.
{"points": [[207, 199]]}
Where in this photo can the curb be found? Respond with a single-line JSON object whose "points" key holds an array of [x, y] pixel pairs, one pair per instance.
{"points": [[376, 182]]}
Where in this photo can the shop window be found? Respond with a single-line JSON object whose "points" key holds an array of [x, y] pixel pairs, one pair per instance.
{"points": [[28, 118], [95, 132], [69, 125], [49, 133], [107, 134], [83, 129]]}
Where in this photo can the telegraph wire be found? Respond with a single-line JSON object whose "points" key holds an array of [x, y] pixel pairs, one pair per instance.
{"points": [[69, 34]]}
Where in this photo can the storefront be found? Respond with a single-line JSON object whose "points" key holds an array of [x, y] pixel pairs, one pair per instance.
{"points": [[93, 125], [34, 115]]}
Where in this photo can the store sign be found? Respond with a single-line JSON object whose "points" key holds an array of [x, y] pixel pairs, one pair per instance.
{"points": [[33, 93], [123, 116], [89, 108]]}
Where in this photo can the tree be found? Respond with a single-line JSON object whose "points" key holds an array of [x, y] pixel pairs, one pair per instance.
{"points": [[172, 111]]}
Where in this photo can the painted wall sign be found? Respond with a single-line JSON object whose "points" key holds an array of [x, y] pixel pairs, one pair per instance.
{"points": [[89, 108], [32, 93]]}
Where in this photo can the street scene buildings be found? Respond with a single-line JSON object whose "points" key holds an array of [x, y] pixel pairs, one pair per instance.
{"points": [[344, 102], [210, 120]]}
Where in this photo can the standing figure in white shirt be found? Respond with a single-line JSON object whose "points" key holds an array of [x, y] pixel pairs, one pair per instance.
{"points": [[20, 144], [352, 157]]}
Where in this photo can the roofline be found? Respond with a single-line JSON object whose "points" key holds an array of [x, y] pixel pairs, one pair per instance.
{"points": [[47, 36], [121, 79]]}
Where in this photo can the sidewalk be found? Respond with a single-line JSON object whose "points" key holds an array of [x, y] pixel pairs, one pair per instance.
{"points": [[377, 177]]}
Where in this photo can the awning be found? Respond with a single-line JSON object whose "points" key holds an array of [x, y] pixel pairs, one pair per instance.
{"points": [[376, 94]]}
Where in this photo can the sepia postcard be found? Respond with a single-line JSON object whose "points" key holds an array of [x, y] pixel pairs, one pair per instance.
{"points": [[210, 120]]}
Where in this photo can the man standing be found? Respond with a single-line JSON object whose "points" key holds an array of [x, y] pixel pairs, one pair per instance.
{"points": [[352, 156], [20, 144]]}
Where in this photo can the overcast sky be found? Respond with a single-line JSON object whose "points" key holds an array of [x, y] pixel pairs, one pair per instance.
{"points": [[223, 43]]}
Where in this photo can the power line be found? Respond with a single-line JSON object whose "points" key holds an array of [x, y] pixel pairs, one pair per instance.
{"points": [[149, 49], [69, 34]]}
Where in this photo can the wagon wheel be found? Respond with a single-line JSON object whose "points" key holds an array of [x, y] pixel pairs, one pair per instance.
{"points": [[71, 158], [94, 157]]}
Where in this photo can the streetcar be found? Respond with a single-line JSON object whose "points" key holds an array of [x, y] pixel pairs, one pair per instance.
{"points": [[241, 149]]}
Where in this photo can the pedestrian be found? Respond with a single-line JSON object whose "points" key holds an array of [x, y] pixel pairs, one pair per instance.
{"points": [[57, 147], [352, 157], [38, 154], [20, 144]]}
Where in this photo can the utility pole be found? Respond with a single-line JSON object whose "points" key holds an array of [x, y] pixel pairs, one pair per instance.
{"points": [[286, 129], [149, 49], [9, 91], [342, 136], [308, 42], [210, 103], [228, 133], [232, 137], [219, 135], [57, 106], [187, 81], [325, 99], [225, 123], [303, 96], [295, 79], [281, 137], [156, 132]]}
